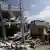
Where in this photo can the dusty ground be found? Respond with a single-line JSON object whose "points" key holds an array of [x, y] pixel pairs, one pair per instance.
{"points": [[44, 47]]}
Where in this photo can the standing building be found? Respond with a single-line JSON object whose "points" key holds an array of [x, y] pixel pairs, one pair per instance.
{"points": [[37, 28]]}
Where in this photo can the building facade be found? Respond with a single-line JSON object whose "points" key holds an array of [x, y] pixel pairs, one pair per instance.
{"points": [[37, 28]]}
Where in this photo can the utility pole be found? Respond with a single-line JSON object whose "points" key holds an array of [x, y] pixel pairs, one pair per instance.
{"points": [[22, 20]]}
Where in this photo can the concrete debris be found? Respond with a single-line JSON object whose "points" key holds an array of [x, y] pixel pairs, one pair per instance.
{"points": [[2, 44]]}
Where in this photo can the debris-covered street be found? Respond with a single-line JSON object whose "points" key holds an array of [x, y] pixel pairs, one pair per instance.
{"points": [[45, 47], [22, 25], [28, 45]]}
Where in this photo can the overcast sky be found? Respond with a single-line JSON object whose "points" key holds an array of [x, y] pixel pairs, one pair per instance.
{"points": [[35, 9]]}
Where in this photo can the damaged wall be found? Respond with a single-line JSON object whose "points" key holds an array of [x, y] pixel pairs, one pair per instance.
{"points": [[12, 30]]}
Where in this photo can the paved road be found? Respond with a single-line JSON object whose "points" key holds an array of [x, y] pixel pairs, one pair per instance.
{"points": [[42, 48], [38, 48]]}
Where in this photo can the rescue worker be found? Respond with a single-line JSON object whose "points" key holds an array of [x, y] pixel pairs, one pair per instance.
{"points": [[49, 38]]}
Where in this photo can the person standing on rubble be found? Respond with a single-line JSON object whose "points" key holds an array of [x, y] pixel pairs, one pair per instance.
{"points": [[49, 38]]}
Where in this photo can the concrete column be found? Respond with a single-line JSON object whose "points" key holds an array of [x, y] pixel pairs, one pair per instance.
{"points": [[22, 20], [4, 34]]}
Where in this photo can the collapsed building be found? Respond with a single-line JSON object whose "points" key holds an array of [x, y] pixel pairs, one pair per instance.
{"points": [[10, 22]]}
